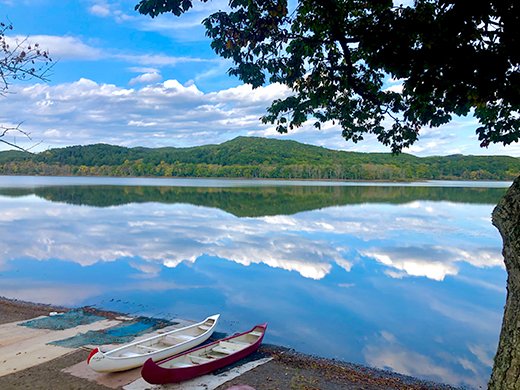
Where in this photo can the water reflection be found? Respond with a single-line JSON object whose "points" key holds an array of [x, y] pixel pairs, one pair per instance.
{"points": [[406, 278], [433, 262], [256, 201]]}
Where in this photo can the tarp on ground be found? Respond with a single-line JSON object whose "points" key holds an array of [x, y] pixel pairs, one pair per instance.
{"points": [[67, 320], [119, 334]]}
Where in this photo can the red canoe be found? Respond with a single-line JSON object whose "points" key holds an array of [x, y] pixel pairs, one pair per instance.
{"points": [[205, 359]]}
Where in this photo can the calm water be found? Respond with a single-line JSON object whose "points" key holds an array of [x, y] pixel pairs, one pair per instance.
{"points": [[403, 277]]}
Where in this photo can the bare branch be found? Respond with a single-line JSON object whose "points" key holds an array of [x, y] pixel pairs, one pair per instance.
{"points": [[5, 130], [23, 61]]}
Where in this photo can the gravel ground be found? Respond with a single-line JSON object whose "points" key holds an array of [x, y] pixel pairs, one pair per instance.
{"points": [[288, 369], [12, 310]]}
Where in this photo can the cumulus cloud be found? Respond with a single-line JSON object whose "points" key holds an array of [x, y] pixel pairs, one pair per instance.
{"points": [[85, 112], [433, 262], [99, 10], [146, 78]]}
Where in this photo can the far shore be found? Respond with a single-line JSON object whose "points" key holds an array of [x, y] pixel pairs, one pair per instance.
{"points": [[409, 181]]}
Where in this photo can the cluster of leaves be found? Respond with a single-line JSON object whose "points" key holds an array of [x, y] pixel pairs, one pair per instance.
{"points": [[336, 54]]}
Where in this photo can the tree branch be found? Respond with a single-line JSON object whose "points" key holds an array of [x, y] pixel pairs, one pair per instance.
{"points": [[4, 130]]}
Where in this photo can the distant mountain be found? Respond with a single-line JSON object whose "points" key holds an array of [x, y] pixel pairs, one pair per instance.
{"points": [[253, 157]]}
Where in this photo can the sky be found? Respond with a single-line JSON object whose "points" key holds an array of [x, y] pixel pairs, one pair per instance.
{"points": [[126, 79]]}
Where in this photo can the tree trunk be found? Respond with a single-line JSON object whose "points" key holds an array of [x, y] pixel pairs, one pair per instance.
{"points": [[506, 217]]}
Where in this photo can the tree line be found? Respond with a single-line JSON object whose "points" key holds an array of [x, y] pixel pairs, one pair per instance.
{"points": [[255, 158]]}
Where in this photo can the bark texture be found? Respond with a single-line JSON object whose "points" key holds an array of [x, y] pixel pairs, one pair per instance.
{"points": [[506, 217]]}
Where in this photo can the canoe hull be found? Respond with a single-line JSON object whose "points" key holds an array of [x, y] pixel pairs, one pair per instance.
{"points": [[99, 362], [110, 362], [155, 374]]}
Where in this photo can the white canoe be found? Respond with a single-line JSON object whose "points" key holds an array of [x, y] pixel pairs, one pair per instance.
{"points": [[157, 347]]}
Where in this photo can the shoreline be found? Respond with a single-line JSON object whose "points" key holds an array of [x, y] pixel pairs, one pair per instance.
{"points": [[288, 368], [407, 181]]}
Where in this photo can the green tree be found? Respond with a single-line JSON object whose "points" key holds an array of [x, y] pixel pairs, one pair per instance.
{"points": [[453, 58]]}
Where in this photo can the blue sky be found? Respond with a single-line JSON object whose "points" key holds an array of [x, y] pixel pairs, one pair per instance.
{"points": [[126, 79]]}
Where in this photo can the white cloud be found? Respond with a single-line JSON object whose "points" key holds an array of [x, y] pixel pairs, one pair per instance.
{"points": [[158, 59], [99, 10], [146, 78], [413, 261], [476, 317], [246, 94], [433, 262], [138, 69], [72, 48], [404, 3], [389, 337], [85, 112], [483, 353], [395, 88], [61, 47]]}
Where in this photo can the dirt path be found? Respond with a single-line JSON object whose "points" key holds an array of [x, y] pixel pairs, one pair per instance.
{"points": [[12, 310]]}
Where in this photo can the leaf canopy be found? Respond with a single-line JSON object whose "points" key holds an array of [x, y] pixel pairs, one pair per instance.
{"points": [[446, 58]]}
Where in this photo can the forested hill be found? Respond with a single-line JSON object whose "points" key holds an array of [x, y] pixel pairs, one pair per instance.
{"points": [[251, 157]]}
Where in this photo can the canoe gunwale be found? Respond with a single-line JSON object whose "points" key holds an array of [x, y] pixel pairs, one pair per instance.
{"points": [[154, 373]]}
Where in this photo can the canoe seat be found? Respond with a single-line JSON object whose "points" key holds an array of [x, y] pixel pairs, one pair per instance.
{"points": [[232, 345], [224, 350], [176, 339], [199, 359], [255, 333], [129, 354], [181, 365], [184, 337], [204, 327], [147, 349], [238, 343], [170, 340]]}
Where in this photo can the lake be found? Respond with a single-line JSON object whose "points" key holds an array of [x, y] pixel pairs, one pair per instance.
{"points": [[406, 277]]}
